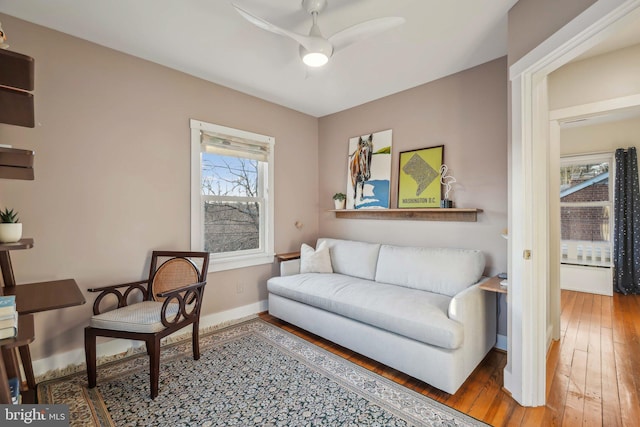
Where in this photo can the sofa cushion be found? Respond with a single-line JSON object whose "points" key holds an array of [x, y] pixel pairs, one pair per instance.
{"points": [[445, 271], [415, 314], [357, 259], [315, 261]]}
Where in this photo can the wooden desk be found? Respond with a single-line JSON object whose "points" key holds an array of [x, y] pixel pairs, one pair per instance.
{"points": [[45, 296], [34, 298], [30, 298]]}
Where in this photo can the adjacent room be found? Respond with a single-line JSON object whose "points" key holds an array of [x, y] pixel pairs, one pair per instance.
{"points": [[312, 212]]}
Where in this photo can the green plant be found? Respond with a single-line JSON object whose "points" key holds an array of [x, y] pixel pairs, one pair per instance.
{"points": [[9, 216], [339, 196]]}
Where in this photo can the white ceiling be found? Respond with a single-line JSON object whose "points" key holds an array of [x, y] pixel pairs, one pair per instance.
{"points": [[210, 40]]}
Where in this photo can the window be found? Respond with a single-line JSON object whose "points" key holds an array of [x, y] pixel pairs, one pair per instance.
{"points": [[231, 195], [585, 209]]}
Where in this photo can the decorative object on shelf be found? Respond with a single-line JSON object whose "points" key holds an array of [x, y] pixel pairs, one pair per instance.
{"points": [[3, 38], [418, 184], [10, 226], [369, 171], [447, 181], [340, 200]]}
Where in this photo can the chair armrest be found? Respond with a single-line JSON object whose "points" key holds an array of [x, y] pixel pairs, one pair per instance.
{"points": [[104, 288], [116, 291], [189, 299], [173, 292]]}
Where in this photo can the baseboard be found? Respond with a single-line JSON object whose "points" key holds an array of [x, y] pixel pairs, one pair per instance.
{"points": [[62, 361], [502, 342]]}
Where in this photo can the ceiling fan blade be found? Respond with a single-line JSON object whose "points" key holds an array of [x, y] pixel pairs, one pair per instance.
{"points": [[268, 26], [361, 31]]}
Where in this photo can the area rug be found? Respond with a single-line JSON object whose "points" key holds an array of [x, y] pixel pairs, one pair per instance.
{"points": [[249, 374]]}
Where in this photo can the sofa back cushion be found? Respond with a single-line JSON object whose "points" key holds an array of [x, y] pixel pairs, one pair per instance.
{"points": [[441, 270], [357, 259]]}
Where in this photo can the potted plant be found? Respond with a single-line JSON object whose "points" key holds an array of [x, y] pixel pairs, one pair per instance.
{"points": [[339, 199], [10, 226]]}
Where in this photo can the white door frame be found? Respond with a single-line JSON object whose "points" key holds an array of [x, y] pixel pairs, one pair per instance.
{"points": [[530, 315]]}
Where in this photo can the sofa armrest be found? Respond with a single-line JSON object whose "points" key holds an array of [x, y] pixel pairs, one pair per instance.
{"points": [[475, 309], [289, 268]]}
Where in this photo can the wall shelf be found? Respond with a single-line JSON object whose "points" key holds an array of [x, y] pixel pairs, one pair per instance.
{"points": [[427, 214]]}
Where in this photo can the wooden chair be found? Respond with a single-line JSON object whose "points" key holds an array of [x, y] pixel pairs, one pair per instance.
{"points": [[171, 299]]}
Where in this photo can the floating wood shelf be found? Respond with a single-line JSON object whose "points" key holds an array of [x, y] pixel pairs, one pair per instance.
{"points": [[429, 214]]}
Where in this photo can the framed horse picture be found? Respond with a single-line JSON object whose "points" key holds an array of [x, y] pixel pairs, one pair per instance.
{"points": [[419, 178], [369, 171]]}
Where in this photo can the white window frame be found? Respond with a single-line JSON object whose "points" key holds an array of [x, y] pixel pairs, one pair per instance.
{"points": [[239, 259], [591, 158], [580, 159]]}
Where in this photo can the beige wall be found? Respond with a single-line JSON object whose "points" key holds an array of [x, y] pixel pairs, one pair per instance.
{"points": [[600, 138], [532, 21], [603, 77], [467, 113], [112, 172]]}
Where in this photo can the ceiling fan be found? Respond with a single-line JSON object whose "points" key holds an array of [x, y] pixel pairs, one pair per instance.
{"points": [[315, 49]]}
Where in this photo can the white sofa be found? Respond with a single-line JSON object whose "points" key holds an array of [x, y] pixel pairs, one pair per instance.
{"points": [[418, 310]]}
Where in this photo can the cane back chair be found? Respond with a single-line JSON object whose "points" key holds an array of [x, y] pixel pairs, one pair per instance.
{"points": [[171, 299]]}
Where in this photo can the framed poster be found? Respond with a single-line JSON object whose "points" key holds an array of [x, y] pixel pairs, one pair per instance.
{"points": [[369, 171], [419, 178]]}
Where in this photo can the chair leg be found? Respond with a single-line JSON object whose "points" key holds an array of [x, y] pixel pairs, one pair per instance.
{"points": [[153, 345], [195, 337], [90, 355]]}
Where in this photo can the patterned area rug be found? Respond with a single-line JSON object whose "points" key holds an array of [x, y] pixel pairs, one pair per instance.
{"points": [[249, 374]]}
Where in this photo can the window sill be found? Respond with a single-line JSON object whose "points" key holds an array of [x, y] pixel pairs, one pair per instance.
{"points": [[230, 263]]}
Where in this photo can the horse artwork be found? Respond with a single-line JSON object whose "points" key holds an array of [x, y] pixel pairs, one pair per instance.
{"points": [[360, 166], [369, 171]]}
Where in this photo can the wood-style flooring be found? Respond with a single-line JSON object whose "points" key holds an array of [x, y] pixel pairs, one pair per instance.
{"points": [[593, 372]]}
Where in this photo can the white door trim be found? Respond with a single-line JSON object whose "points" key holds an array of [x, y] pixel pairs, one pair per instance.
{"points": [[524, 375]]}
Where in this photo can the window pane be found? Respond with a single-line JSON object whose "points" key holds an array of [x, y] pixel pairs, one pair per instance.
{"points": [[585, 223], [588, 182], [231, 226], [229, 176]]}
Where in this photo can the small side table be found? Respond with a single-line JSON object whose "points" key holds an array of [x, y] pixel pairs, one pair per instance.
{"points": [[493, 285], [288, 256]]}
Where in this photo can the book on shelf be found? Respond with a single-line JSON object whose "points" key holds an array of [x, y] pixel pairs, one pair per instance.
{"points": [[8, 332], [7, 304], [14, 390], [9, 320]]}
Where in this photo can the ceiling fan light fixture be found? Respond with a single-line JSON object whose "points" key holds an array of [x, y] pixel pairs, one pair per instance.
{"points": [[315, 59]]}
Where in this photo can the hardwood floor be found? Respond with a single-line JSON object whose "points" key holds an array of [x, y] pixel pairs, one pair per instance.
{"points": [[593, 372]]}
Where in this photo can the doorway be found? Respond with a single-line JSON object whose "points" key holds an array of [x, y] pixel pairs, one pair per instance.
{"points": [[534, 310]]}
